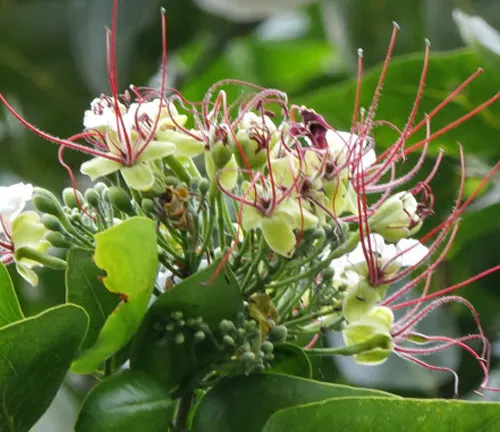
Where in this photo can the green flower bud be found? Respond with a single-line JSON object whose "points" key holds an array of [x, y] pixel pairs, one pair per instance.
{"points": [[227, 326], [221, 153], [259, 368], [203, 186], [179, 338], [328, 273], [51, 223], [46, 202], [170, 327], [92, 197], [278, 334], [199, 336], [269, 357], [177, 315], [100, 187], [148, 205], [68, 196], [57, 240], [248, 358], [228, 340], [120, 199], [172, 181], [267, 347]]}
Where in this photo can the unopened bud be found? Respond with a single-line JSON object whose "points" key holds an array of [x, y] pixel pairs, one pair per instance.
{"points": [[148, 205], [100, 187], [228, 340], [57, 240], [69, 199], [179, 338], [120, 199], [46, 202], [203, 186], [92, 197], [51, 223], [199, 336], [278, 334]]}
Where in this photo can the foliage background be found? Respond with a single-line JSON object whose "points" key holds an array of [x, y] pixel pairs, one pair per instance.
{"points": [[52, 64]]}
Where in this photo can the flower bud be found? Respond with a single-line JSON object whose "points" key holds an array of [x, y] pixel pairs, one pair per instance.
{"points": [[278, 334], [68, 196], [148, 205], [377, 322], [179, 338], [100, 187], [92, 197], [221, 153], [57, 240], [51, 223], [120, 199], [199, 336], [397, 217], [203, 186], [228, 340], [46, 202]]}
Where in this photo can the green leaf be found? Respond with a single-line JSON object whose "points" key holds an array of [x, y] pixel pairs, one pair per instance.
{"points": [[245, 403], [446, 71], [35, 355], [127, 252], [291, 360], [84, 288], [158, 353], [10, 311], [382, 414], [129, 400]]}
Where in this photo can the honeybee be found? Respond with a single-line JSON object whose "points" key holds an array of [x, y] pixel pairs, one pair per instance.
{"points": [[173, 206]]}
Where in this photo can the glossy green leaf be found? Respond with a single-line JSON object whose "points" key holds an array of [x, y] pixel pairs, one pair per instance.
{"points": [[360, 414], [129, 400], [170, 362], [127, 252], [246, 403], [10, 311], [84, 288], [291, 360], [446, 71], [35, 355]]}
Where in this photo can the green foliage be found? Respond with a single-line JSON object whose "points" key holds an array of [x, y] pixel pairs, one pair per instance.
{"points": [[10, 311], [127, 252], [359, 414], [129, 400], [84, 288], [289, 359], [246, 403], [35, 355], [161, 355]]}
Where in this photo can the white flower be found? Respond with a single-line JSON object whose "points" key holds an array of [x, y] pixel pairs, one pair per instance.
{"points": [[13, 200], [20, 230], [390, 257], [128, 139], [345, 146]]}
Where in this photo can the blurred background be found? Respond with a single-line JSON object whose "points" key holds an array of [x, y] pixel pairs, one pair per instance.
{"points": [[52, 64]]}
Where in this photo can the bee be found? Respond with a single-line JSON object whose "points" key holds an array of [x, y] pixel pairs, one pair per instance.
{"points": [[173, 206]]}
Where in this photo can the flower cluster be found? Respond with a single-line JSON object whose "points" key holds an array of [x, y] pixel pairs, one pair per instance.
{"points": [[315, 225]]}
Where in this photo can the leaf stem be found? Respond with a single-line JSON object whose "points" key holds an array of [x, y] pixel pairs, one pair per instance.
{"points": [[181, 415], [377, 341]]}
